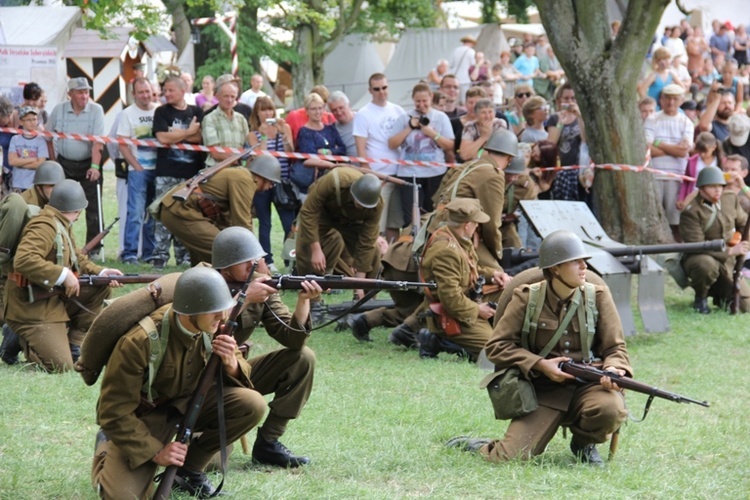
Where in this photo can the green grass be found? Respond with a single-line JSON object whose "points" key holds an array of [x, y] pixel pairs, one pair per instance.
{"points": [[378, 418]]}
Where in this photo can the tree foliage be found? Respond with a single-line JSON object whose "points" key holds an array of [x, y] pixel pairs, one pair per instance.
{"points": [[144, 17]]}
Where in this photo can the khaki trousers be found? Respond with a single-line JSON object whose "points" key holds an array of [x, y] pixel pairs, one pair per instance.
{"points": [[195, 235]]}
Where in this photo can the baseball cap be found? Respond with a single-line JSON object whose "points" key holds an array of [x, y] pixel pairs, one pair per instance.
{"points": [[80, 83], [26, 110], [739, 129]]}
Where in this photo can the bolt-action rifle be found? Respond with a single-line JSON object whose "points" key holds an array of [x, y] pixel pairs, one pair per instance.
{"points": [[338, 282], [37, 293]]}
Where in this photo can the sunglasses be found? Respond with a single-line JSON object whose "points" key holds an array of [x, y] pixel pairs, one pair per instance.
{"points": [[523, 94], [378, 89]]}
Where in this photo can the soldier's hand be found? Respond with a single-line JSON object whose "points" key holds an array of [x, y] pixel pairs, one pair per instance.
{"points": [[310, 290], [172, 454], [224, 346], [501, 278], [258, 292], [71, 285], [607, 382], [740, 248], [550, 369], [318, 261], [486, 311], [112, 272]]}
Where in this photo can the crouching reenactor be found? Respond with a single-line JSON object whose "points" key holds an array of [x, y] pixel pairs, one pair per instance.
{"points": [[286, 373], [562, 318], [52, 329], [715, 213], [136, 436]]}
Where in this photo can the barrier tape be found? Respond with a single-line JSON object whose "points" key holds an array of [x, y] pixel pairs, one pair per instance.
{"points": [[334, 158]]}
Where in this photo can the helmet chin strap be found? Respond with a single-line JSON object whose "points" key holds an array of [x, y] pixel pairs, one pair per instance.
{"points": [[559, 278]]}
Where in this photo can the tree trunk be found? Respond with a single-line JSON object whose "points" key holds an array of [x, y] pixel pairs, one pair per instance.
{"points": [[303, 70], [604, 74], [249, 18], [180, 24]]}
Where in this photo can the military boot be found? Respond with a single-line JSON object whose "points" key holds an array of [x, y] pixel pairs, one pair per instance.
{"points": [[359, 326], [429, 344], [403, 335], [10, 346], [587, 454], [466, 443], [701, 305]]}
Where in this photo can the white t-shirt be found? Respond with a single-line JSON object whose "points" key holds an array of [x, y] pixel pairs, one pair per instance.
{"points": [[670, 129], [249, 96], [136, 123], [377, 124], [418, 146], [462, 58]]}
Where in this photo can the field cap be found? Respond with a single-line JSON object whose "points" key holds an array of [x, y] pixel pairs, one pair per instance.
{"points": [[466, 210]]}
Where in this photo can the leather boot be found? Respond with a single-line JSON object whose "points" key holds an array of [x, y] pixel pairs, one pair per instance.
{"points": [[275, 453], [467, 443], [587, 454], [429, 344], [404, 336], [701, 305], [358, 324], [195, 484], [10, 346]]}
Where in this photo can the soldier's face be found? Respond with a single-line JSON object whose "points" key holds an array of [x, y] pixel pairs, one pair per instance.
{"points": [[572, 272], [238, 272], [712, 192], [208, 322]]}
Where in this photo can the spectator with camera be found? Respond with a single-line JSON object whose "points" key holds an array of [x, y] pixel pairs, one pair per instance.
{"points": [[719, 109], [425, 134], [273, 134]]}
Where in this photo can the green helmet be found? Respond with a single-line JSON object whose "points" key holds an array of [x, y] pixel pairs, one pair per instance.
{"points": [[234, 245], [201, 290], [710, 176], [502, 141], [366, 190], [266, 166], [49, 173], [68, 196], [560, 247], [516, 166]]}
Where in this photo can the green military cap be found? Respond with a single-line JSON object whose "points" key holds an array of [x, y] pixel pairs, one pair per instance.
{"points": [[466, 210]]}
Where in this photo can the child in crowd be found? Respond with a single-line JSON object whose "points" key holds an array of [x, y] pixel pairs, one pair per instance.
{"points": [[535, 112], [27, 150], [647, 107], [498, 97], [708, 153], [438, 100]]}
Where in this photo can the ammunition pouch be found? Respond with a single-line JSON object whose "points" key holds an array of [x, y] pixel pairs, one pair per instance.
{"points": [[447, 323], [209, 207], [511, 394]]}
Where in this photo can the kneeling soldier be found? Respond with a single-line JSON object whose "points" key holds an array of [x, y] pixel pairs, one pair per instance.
{"points": [[577, 321], [715, 213], [136, 436], [51, 330], [288, 372]]}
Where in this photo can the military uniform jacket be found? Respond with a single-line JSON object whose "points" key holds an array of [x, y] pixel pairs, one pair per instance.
{"points": [[485, 182], [523, 188], [322, 212], [175, 382], [36, 259], [697, 214], [451, 262], [285, 330], [31, 197], [504, 347], [232, 188]]}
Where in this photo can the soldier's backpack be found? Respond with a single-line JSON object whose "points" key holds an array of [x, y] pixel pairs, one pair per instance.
{"points": [[117, 319], [15, 213]]}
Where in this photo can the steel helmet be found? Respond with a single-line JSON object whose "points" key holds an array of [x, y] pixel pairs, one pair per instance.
{"points": [[234, 245], [49, 173], [516, 166], [68, 196], [266, 166], [366, 190], [502, 141], [201, 290], [560, 247], [710, 176]]}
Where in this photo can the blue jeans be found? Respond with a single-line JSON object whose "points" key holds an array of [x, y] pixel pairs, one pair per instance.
{"points": [[140, 194], [262, 202]]}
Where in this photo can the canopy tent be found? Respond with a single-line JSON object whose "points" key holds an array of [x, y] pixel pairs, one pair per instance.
{"points": [[419, 50], [350, 65], [32, 40]]}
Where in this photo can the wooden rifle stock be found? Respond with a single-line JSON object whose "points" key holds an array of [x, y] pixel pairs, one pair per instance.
{"points": [[734, 306], [184, 192], [37, 293], [208, 376], [589, 374], [98, 238]]}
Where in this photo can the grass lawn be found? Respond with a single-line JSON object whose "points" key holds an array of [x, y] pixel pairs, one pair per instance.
{"points": [[378, 418]]}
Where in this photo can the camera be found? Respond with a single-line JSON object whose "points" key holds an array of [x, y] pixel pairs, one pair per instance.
{"points": [[423, 121], [270, 121]]}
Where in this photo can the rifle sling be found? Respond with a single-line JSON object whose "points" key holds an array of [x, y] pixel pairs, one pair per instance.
{"points": [[370, 294]]}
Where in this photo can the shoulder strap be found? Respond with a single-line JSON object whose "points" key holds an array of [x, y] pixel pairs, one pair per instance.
{"points": [[712, 219], [575, 306], [587, 319], [337, 182], [63, 234], [158, 347], [537, 291], [468, 169]]}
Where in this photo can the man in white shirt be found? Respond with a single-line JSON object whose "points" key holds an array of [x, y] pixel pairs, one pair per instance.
{"points": [[374, 124], [669, 135], [137, 122], [249, 96], [463, 58]]}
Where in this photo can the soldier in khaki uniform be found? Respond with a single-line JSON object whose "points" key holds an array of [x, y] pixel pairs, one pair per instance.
{"points": [[288, 372], [450, 260], [46, 176], [51, 330], [484, 180], [224, 200], [519, 186], [136, 438], [347, 202], [715, 213], [593, 411]]}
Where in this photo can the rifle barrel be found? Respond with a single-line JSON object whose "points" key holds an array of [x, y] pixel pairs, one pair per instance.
{"points": [[337, 282]]}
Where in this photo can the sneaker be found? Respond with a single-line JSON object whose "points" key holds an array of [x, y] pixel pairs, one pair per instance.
{"points": [[158, 263], [275, 453]]}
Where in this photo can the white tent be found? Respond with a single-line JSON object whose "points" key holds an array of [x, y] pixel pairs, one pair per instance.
{"points": [[350, 65], [34, 39]]}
